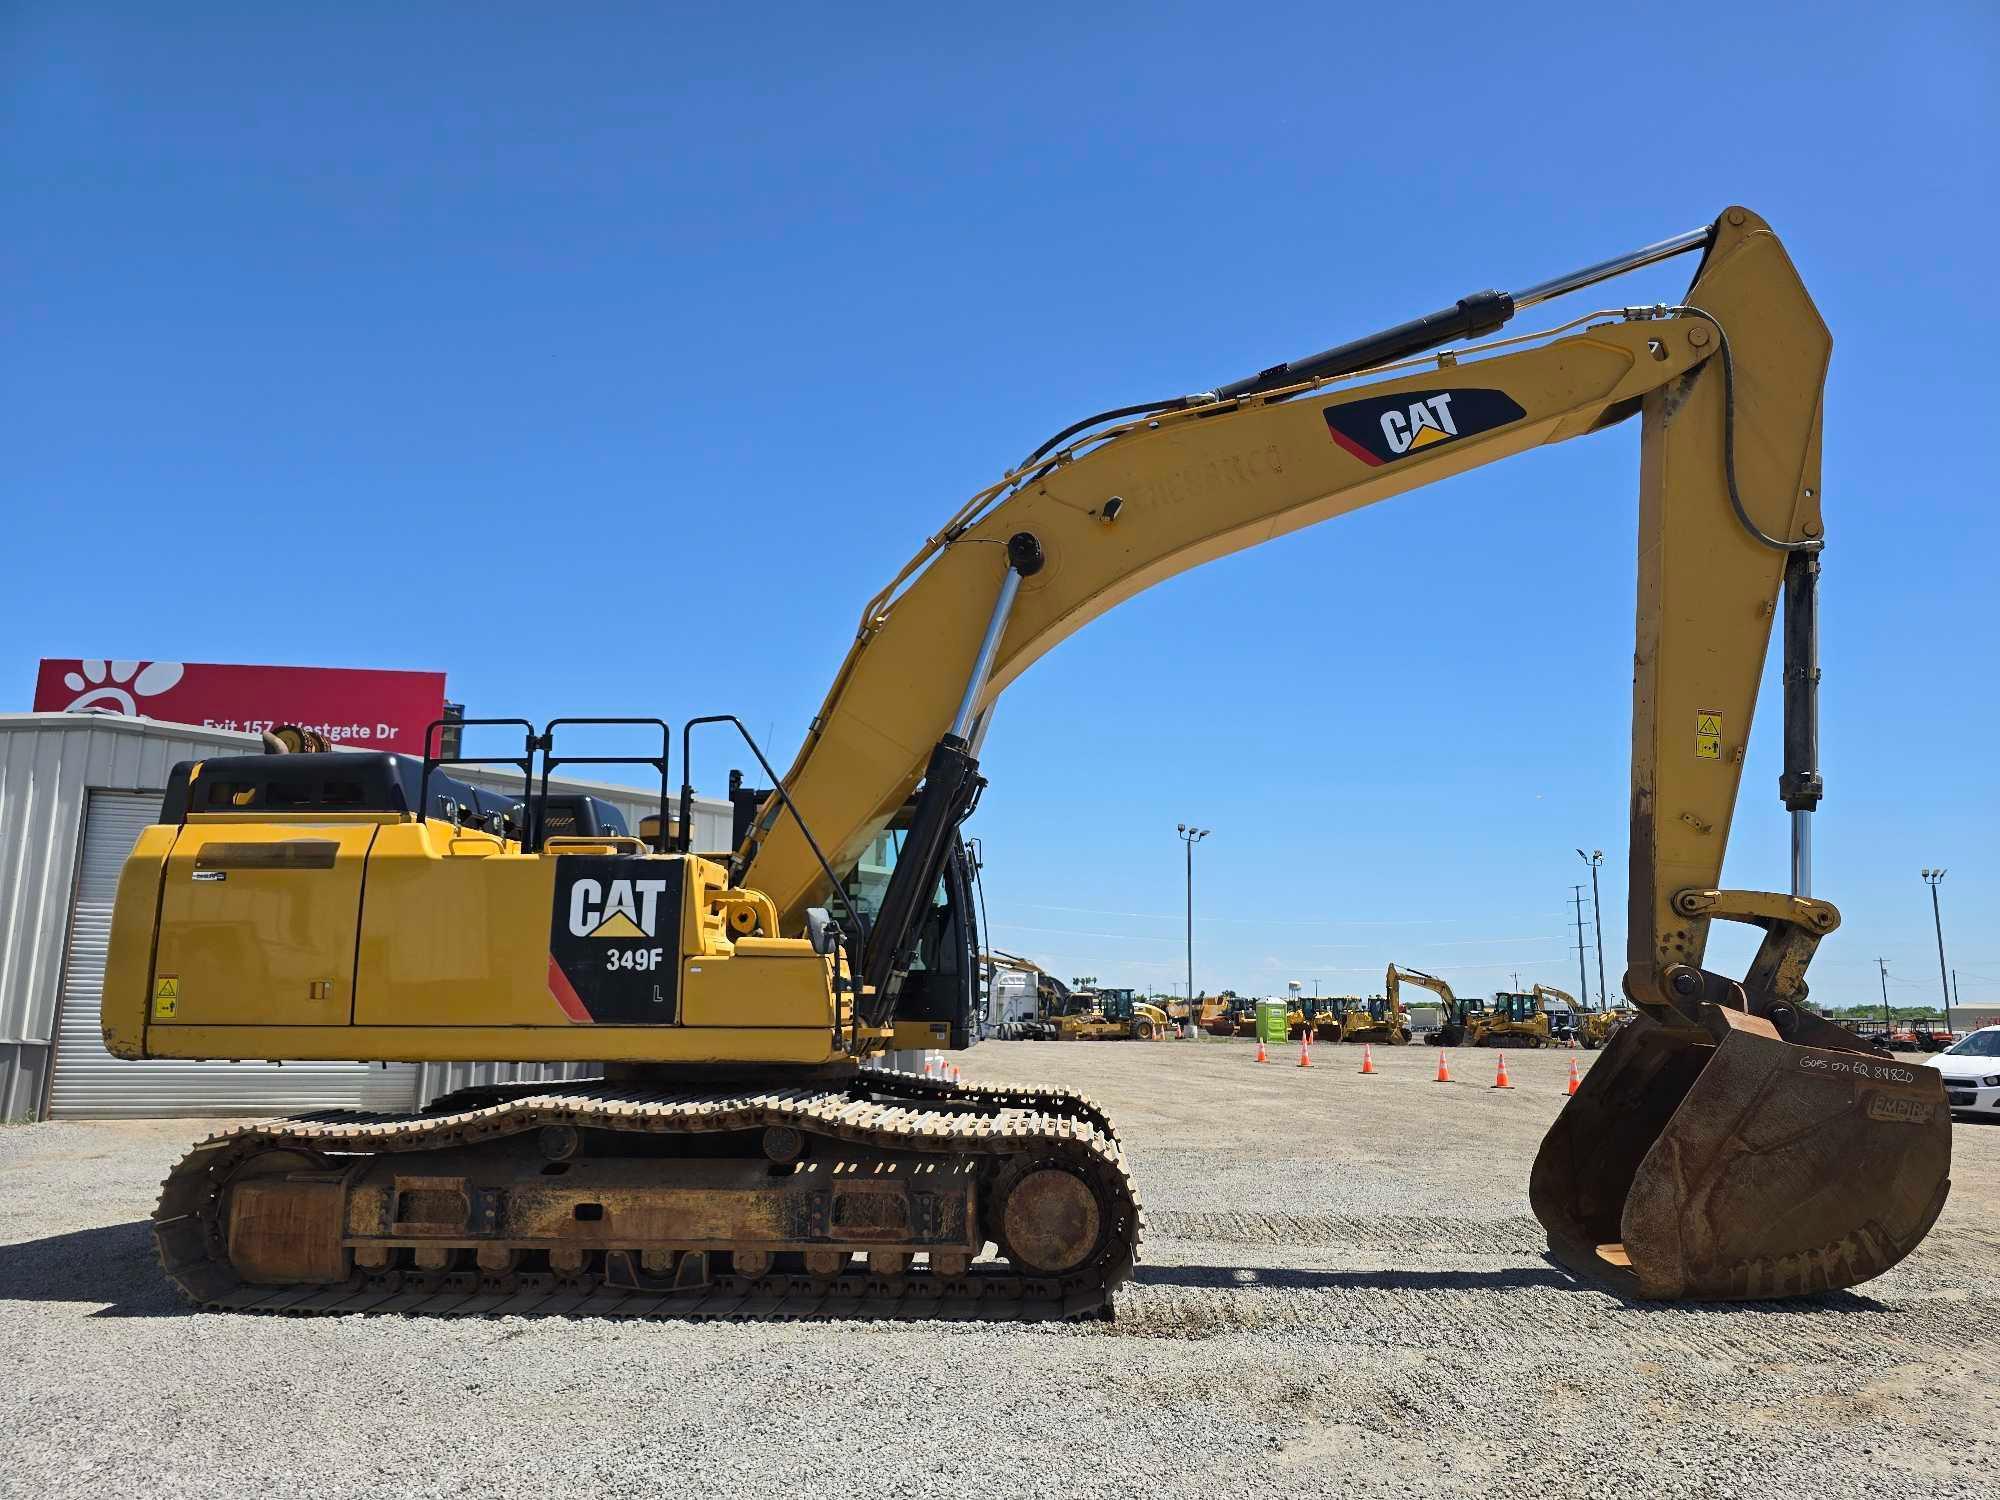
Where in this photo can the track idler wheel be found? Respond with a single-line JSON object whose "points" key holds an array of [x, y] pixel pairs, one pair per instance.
{"points": [[1720, 1162], [1050, 1221]]}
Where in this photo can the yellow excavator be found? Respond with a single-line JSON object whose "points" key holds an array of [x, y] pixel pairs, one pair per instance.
{"points": [[1455, 1016], [1379, 1018], [739, 1157], [1543, 994], [1595, 1028]]}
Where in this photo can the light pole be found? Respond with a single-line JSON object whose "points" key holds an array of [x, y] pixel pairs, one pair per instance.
{"points": [[1190, 836], [1931, 879], [1594, 859]]}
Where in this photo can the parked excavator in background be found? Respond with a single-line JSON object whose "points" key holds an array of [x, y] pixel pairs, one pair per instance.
{"points": [[1562, 1013], [1454, 1014], [1596, 1028], [738, 1153], [1377, 1019]]}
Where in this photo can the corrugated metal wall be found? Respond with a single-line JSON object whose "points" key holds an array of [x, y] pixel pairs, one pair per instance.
{"points": [[48, 765], [90, 1084], [434, 1080]]}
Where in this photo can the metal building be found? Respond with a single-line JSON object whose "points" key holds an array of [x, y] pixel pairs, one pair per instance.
{"points": [[75, 790]]}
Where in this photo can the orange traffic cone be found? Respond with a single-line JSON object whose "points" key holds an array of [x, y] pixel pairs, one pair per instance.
{"points": [[1367, 1058], [1500, 1080], [1444, 1073], [1260, 1051], [1573, 1079], [1306, 1050]]}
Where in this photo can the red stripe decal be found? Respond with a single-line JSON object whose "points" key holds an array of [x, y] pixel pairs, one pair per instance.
{"points": [[559, 987], [1353, 447]]}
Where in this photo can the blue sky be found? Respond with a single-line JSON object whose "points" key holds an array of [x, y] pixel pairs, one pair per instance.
{"points": [[608, 359]]}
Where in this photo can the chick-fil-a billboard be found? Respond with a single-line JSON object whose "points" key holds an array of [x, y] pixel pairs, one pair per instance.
{"points": [[350, 706]]}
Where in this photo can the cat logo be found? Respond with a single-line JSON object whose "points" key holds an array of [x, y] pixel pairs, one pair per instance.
{"points": [[1381, 429], [1426, 422], [615, 909]]}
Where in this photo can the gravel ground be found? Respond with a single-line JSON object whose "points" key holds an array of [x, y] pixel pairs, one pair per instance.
{"points": [[1343, 1292]]}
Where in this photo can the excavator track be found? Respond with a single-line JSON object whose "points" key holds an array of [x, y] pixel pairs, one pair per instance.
{"points": [[1000, 1137]]}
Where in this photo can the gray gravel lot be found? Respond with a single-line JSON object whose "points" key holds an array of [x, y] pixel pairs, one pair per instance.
{"points": [[1343, 1292]]}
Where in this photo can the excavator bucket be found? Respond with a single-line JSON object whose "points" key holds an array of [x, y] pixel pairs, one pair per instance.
{"points": [[1716, 1161]]}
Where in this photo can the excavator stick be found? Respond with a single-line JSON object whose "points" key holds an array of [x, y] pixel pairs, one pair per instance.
{"points": [[1718, 1161], [1730, 1143]]}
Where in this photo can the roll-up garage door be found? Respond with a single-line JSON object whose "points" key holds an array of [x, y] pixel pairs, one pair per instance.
{"points": [[91, 1084]]}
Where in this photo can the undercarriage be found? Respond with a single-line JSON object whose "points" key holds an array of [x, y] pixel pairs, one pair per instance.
{"points": [[876, 1198]]}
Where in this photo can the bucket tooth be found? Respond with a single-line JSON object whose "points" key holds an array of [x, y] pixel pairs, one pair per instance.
{"points": [[1722, 1162]]}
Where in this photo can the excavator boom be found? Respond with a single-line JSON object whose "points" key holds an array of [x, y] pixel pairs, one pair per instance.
{"points": [[1729, 388]]}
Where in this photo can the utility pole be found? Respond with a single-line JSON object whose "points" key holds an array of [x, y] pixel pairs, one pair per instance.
{"points": [[1594, 859], [1582, 974], [1931, 879], [1191, 836], [1883, 965]]}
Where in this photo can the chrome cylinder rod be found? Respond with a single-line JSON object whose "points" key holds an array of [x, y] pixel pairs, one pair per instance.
{"points": [[1802, 852], [1618, 265], [989, 647]]}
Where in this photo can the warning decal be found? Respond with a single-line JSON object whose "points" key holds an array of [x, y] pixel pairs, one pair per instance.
{"points": [[166, 997], [1708, 735]]}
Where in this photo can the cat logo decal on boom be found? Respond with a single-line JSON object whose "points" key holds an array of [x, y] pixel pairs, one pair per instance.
{"points": [[1382, 429], [614, 940]]}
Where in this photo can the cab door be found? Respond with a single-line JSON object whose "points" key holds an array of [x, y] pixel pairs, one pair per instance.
{"points": [[258, 923]]}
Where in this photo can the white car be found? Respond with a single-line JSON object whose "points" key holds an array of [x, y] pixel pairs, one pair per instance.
{"points": [[1971, 1069]]}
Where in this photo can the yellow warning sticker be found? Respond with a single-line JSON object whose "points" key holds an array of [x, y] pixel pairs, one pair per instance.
{"points": [[166, 997], [1708, 734]]}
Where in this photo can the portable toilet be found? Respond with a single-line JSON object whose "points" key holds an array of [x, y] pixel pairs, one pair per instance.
{"points": [[1274, 1022]]}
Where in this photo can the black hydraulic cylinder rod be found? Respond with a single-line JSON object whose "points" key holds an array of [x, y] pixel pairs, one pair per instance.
{"points": [[1470, 317], [1481, 313], [951, 785], [1800, 785]]}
